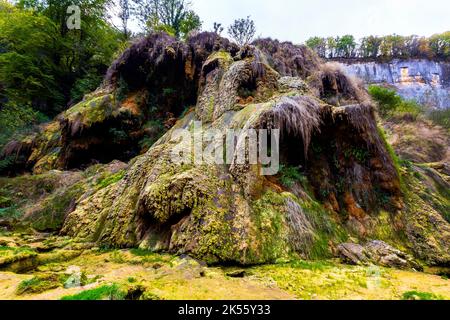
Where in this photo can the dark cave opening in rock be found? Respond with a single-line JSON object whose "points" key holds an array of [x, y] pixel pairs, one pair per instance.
{"points": [[248, 88], [114, 139], [158, 235], [291, 151]]}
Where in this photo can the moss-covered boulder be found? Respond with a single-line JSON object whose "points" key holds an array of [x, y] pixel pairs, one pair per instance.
{"points": [[231, 213]]}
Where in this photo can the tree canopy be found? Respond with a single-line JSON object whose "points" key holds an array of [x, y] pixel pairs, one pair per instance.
{"points": [[172, 16], [44, 66], [387, 47], [242, 31]]}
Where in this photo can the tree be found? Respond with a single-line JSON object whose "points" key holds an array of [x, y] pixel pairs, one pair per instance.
{"points": [[242, 31], [217, 29], [319, 45], [124, 14], [74, 60], [345, 46], [440, 45], [27, 65], [370, 47], [331, 47], [172, 16]]}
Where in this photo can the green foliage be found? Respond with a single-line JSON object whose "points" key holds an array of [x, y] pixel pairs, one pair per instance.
{"points": [[417, 295], [111, 179], [10, 213], [361, 155], [391, 104], [122, 89], [345, 46], [55, 65], [387, 99], [155, 131], [17, 120], [27, 67], [84, 85], [174, 17], [109, 292], [289, 175], [319, 45], [386, 47], [441, 117], [6, 161], [117, 135]]}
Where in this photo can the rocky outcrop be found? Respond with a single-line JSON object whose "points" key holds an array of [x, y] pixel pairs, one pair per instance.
{"points": [[231, 213], [427, 82], [378, 253], [337, 175]]}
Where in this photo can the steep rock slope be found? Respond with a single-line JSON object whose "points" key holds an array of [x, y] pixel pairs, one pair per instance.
{"points": [[346, 183]]}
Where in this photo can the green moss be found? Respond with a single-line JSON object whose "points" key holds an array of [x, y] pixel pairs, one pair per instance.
{"points": [[94, 110], [54, 208], [393, 155], [417, 295], [383, 229], [271, 227], [319, 265], [38, 284], [318, 280], [112, 179], [10, 255], [105, 292], [326, 230]]}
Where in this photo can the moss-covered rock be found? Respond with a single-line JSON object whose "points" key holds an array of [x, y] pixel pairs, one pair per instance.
{"points": [[347, 184]]}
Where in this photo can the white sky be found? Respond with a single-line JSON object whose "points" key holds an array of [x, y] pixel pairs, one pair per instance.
{"points": [[297, 20]]}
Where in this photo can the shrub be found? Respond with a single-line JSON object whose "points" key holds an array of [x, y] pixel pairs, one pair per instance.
{"points": [[391, 104], [441, 117], [289, 175]]}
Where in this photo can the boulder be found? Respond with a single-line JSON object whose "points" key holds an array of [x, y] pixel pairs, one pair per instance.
{"points": [[376, 252]]}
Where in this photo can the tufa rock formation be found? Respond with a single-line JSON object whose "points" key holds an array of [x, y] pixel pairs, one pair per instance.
{"points": [[346, 182]]}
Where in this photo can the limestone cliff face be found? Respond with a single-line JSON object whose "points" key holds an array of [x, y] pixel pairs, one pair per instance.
{"points": [[427, 82]]}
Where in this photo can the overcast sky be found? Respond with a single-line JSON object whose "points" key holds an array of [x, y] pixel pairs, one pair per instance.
{"points": [[297, 20]]}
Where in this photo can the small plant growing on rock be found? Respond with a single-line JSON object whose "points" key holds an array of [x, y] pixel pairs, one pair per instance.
{"points": [[289, 175]]}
